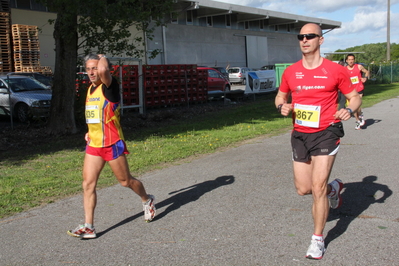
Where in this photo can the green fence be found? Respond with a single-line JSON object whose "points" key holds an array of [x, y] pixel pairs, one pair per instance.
{"points": [[279, 72], [384, 73]]}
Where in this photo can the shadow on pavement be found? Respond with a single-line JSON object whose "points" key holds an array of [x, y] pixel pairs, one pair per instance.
{"points": [[370, 122], [181, 197], [357, 197], [190, 194]]}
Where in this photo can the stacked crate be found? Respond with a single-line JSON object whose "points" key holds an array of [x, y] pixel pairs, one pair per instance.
{"points": [[5, 37], [130, 83], [164, 85], [26, 48]]}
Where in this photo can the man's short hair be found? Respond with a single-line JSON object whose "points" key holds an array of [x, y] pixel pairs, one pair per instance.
{"points": [[346, 58], [96, 57]]}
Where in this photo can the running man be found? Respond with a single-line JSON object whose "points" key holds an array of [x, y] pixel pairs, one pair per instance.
{"points": [[313, 84], [355, 73], [105, 143]]}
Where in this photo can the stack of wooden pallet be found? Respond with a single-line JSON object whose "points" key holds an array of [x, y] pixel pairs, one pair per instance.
{"points": [[5, 37], [26, 47]]}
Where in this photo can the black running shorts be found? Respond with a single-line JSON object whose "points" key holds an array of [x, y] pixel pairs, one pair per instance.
{"points": [[305, 145]]}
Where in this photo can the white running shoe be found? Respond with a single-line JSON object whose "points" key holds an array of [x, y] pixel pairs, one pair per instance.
{"points": [[149, 209], [316, 250], [357, 125], [362, 122], [336, 199]]}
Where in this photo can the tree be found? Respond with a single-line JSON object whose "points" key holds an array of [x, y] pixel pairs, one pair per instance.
{"points": [[95, 26]]}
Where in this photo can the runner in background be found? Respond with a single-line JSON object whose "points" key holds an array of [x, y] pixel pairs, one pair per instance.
{"points": [[355, 72]]}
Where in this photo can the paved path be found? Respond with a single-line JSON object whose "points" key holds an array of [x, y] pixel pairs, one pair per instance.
{"points": [[237, 207]]}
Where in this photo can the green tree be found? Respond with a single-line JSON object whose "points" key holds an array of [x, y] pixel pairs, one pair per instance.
{"points": [[371, 53], [97, 26]]}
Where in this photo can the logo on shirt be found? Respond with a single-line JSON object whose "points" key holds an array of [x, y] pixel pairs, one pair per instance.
{"points": [[299, 75], [96, 99]]}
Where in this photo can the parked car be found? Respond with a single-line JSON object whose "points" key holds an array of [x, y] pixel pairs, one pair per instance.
{"points": [[29, 98], [223, 71], [46, 80], [268, 67], [216, 80], [238, 74]]}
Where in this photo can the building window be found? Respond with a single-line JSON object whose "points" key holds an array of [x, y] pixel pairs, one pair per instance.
{"points": [[275, 27], [246, 25], [228, 21], [189, 17], [173, 18], [27, 4], [209, 21], [261, 25], [289, 28]]}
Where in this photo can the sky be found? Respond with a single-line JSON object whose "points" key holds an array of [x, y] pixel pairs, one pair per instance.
{"points": [[363, 21]]}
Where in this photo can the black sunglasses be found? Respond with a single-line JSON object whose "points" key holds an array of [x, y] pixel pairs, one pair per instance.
{"points": [[308, 36]]}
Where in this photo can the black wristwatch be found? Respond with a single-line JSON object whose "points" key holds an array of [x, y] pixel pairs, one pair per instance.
{"points": [[279, 108], [350, 111]]}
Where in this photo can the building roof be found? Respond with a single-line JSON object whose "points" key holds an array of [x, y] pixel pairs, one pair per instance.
{"points": [[207, 8]]}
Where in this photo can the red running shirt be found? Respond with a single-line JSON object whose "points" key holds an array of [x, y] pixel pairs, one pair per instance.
{"points": [[356, 77], [314, 94]]}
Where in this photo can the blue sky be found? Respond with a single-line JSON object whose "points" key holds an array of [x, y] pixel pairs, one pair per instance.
{"points": [[363, 21]]}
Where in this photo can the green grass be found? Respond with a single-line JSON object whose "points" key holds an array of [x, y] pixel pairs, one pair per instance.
{"points": [[42, 174]]}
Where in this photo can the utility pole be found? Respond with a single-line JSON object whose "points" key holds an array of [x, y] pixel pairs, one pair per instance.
{"points": [[388, 32]]}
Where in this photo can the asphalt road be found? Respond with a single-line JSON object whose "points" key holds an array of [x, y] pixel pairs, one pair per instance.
{"points": [[236, 207]]}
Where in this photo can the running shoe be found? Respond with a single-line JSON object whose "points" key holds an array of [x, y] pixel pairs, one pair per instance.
{"points": [[83, 232], [149, 209], [316, 250], [357, 125], [336, 199], [362, 122]]}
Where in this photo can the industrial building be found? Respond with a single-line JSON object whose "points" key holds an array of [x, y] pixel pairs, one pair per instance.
{"points": [[204, 32]]}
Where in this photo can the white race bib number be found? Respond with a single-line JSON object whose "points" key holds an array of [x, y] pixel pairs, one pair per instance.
{"points": [[355, 80], [92, 114], [307, 115]]}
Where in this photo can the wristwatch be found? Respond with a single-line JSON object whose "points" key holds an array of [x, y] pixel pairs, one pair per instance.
{"points": [[349, 111], [279, 108]]}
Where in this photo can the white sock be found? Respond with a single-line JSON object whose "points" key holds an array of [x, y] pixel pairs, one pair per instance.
{"points": [[317, 237]]}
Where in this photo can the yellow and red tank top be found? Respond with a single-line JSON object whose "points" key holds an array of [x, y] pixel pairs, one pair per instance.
{"points": [[102, 118]]}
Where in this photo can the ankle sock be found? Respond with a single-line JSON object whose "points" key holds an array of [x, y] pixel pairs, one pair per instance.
{"points": [[317, 237]]}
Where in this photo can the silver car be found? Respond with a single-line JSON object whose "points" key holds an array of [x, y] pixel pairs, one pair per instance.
{"points": [[26, 97], [238, 74]]}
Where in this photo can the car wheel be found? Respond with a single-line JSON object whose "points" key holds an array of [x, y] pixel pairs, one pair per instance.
{"points": [[22, 112], [244, 81], [227, 88]]}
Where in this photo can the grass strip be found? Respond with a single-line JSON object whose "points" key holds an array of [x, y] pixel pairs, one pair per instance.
{"points": [[42, 174]]}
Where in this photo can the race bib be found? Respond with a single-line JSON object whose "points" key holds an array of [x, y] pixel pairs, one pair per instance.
{"points": [[92, 114], [355, 80], [307, 115]]}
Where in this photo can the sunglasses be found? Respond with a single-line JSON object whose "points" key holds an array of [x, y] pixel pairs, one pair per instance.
{"points": [[308, 36]]}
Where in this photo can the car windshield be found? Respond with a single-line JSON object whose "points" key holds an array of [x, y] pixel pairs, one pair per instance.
{"points": [[234, 70], [25, 84]]}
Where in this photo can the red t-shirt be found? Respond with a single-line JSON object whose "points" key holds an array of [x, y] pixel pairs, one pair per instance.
{"points": [[314, 94], [356, 77]]}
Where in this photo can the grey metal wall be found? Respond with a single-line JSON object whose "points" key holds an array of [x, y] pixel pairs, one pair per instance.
{"points": [[209, 46]]}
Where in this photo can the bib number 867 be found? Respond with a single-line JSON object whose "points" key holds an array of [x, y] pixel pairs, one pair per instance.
{"points": [[304, 115]]}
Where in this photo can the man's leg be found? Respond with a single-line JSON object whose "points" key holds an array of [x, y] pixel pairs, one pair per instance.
{"points": [[91, 171], [312, 178], [322, 166], [121, 170]]}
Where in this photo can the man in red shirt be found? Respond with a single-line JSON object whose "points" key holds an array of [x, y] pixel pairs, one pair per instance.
{"points": [[313, 84], [355, 73]]}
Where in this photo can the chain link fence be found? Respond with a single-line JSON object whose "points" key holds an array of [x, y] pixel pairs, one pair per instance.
{"points": [[384, 73]]}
